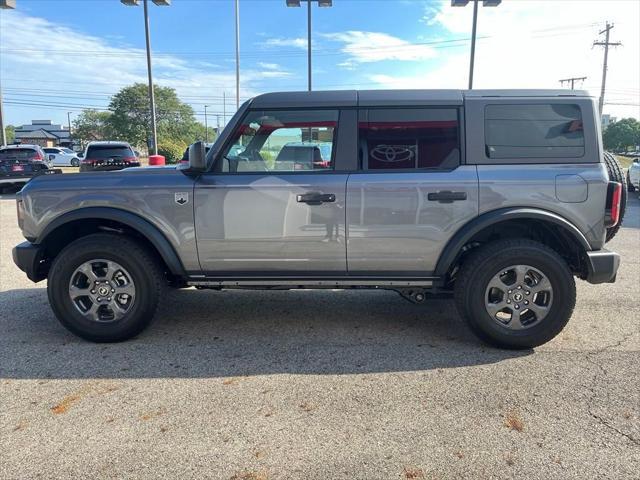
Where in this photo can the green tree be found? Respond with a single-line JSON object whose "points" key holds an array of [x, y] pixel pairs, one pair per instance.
{"points": [[91, 125], [10, 133], [622, 134], [131, 120]]}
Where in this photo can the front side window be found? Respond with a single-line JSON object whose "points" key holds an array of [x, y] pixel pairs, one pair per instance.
{"points": [[283, 141], [534, 131], [426, 138]]}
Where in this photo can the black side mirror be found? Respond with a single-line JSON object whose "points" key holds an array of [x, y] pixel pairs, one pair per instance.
{"points": [[52, 157], [197, 157]]}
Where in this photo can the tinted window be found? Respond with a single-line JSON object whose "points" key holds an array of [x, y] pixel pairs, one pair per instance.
{"points": [[283, 141], [533, 131], [51, 150], [17, 154], [410, 138], [108, 151]]}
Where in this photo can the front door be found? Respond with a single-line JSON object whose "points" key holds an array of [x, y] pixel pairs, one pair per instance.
{"points": [[273, 204]]}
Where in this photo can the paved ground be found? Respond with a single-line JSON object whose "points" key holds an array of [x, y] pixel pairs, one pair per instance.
{"points": [[319, 385]]}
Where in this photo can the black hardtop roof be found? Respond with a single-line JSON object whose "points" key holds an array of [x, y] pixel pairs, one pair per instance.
{"points": [[370, 98]]}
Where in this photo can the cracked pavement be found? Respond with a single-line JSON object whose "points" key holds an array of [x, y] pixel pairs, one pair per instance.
{"points": [[317, 385]]}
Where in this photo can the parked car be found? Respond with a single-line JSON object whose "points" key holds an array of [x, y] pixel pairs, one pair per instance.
{"points": [[185, 155], [107, 156], [63, 157], [20, 163], [305, 155], [633, 175], [502, 212]]}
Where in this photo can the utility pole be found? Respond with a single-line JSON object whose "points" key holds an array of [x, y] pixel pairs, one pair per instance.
{"points": [[224, 109], [3, 135], [69, 122], [206, 125], [572, 81], [606, 44]]}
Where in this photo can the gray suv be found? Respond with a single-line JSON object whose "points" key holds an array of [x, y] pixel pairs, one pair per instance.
{"points": [[499, 198]]}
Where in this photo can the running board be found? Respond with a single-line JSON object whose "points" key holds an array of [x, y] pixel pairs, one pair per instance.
{"points": [[316, 282]]}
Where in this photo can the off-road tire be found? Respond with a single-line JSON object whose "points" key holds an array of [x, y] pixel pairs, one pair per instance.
{"points": [[135, 258], [481, 266], [616, 174]]}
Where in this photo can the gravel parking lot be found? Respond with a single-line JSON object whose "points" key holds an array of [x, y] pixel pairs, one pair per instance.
{"points": [[318, 385]]}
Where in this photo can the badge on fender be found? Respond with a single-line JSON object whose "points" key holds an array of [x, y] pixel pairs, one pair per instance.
{"points": [[182, 198]]}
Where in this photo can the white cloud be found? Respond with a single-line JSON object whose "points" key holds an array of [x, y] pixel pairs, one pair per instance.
{"points": [[369, 47], [286, 42], [533, 45], [269, 66], [80, 69]]}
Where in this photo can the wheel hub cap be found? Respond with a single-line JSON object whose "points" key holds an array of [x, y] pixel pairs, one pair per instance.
{"points": [[102, 290], [518, 297]]}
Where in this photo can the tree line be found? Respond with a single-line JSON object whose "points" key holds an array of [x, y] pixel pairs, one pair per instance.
{"points": [[128, 119]]}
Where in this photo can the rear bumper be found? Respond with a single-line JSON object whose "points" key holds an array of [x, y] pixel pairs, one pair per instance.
{"points": [[602, 266], [25, 177], [28, 258]]}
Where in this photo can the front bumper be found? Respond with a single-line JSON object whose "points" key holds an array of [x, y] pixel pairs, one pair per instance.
{"points": [[602, 266], [28, 257]]}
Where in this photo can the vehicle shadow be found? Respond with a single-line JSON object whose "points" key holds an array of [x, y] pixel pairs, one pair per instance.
{"points": [[242, 333]]}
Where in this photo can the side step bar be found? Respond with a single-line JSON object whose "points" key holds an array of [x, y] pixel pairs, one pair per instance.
{"points": [[309, 282]]}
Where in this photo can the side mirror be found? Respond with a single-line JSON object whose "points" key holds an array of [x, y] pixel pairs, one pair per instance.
{"points": [[197, 157], [52, 157], [81, 155]]}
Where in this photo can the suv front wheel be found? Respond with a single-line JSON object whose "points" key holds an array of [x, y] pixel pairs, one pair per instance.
{"points": [[105, 287], [515, 293]]}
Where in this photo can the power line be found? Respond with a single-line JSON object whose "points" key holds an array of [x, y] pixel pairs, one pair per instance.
{"points": [[571, 81]]}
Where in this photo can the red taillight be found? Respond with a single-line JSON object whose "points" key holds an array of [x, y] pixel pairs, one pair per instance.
{"points": [[38, 157], [614, 203], [87, 161]]}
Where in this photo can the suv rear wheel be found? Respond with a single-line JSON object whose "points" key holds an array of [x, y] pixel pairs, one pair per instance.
{"points": [[515, 293], [104, 287]]}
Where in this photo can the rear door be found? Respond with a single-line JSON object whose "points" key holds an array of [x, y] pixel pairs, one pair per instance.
{"points": [[412, 192], [272, 204]]}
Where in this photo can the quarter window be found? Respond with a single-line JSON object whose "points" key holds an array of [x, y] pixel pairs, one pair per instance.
{"points": [[428, 138], [283, 141], [534, 131]]}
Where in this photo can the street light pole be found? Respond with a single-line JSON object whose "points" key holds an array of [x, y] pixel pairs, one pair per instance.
{"points": [[463, 3], [152, 99], [237, 54], [8, 5], [473, 42], [321, 3]]}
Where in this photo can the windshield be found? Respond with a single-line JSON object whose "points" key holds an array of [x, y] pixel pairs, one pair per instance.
{"points": [[68, 150]]}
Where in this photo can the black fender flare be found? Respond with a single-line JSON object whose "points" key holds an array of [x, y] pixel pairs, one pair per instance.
{"points": [[132, 220], [452, 250]]}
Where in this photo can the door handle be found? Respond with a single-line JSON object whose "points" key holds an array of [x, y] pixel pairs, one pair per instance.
{"points": [[315, 198], [447, 196]]}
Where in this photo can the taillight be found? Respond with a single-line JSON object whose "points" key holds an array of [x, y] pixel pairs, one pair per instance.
{"points": [[87, 161], [38, 157], [614, 202], [129, 159]]}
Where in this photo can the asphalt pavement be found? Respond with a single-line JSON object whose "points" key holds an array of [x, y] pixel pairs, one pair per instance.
{"points": [[249, 385]]}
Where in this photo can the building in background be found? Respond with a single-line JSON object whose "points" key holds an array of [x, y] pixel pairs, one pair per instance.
{"points": [[607, 120], [44, 133]]}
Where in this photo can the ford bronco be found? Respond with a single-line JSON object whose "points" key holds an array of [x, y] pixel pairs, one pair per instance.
{"points": [[499, 198]]}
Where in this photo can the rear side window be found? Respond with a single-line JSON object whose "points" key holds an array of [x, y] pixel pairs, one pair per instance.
{"points": [[534, 131], [109, 151], [409, 139]]}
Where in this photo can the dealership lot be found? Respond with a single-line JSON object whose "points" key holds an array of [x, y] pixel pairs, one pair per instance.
{"points": [[349, 384]]}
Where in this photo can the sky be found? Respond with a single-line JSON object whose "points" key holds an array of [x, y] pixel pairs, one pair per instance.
{"points": [[60, 56]]}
